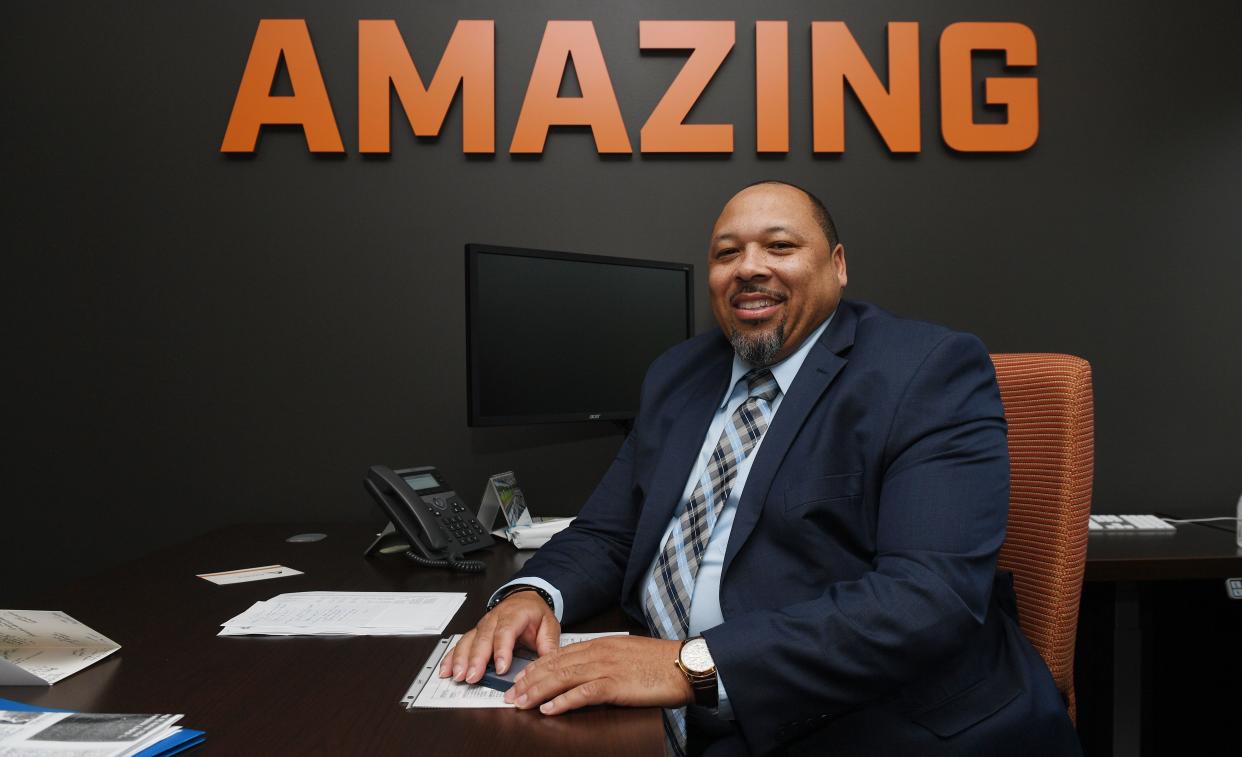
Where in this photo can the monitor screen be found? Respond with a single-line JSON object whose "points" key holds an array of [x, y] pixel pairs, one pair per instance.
{"points": [[555, 336]]}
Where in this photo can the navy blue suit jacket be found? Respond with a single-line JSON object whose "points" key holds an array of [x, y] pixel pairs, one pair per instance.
{"points": [[863, 612]]}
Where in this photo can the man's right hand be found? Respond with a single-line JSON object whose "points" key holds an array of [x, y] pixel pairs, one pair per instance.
{"points": [[522, 618]]}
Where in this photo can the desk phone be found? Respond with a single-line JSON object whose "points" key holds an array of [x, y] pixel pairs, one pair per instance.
{"points": [[437, 525]]}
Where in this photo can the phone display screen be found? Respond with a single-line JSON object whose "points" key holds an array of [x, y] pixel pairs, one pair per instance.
{"points": [[421, 482]]}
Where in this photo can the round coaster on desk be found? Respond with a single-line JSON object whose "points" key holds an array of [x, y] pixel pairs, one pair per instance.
{"points": [[305, 538]]}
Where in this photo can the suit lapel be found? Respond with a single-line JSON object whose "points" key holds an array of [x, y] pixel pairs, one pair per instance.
{"points": [[677, 456], [822, 365]]}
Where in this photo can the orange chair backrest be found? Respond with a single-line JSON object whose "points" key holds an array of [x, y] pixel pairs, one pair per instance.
{"points": [[1049, 407]]}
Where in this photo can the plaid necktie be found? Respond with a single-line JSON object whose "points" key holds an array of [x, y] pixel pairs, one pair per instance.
{"points": [[667, 595]]}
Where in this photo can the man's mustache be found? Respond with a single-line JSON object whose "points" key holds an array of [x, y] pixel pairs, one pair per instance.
{"points": [[756, 289]]}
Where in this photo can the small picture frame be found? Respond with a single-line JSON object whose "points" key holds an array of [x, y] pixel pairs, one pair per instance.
{"points": [[503, 495]]}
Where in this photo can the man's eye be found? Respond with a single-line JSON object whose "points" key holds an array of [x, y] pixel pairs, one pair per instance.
{"points": [[726, 252], [781, 246]]}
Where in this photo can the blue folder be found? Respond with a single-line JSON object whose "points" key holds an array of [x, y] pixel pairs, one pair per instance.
{"points": [[174, 744]]}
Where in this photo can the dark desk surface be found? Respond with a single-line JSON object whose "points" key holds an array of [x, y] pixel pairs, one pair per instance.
{"points": [[256, 695], [1195, 550]]}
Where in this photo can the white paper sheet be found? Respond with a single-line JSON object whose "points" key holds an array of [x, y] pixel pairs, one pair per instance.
{"points": [[249, 574], [533, 535], [40, 647], [445, 693], [348, 613], [80, 734]]}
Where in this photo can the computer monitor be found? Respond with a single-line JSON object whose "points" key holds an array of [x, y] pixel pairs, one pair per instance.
{"points": [[558, 336]]}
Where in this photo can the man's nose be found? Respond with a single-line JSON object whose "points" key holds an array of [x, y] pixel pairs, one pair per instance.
{"points": [[753, 263]]}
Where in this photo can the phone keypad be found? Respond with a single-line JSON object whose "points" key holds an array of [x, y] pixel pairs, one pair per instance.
{"points": [[465, 529], [457, 522]]}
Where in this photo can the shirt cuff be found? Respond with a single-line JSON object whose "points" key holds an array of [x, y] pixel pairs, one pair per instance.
{"points": [[558, 602], [724, 710]]}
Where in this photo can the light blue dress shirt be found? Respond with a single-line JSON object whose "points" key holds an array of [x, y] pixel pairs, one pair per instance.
{"points": [[705, 604]]}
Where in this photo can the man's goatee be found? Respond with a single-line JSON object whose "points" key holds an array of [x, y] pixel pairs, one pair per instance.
{"points": [[759, 350]]}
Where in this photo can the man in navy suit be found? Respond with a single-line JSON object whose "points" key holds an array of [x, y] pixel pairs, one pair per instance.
{"points": [[806, 515]]}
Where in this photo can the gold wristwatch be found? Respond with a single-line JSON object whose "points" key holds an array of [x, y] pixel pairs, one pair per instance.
{"points": [[697, 666]]}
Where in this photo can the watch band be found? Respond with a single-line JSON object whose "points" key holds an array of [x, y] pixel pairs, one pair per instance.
{"points": [[706, 693], [502, 596]]}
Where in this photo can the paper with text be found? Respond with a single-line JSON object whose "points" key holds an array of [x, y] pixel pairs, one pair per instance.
{"points": [[445, 693], [80, 734], [40, 647], [363, 613]]}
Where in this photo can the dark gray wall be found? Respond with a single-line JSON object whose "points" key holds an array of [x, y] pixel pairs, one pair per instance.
{"points": [[195, 340]]}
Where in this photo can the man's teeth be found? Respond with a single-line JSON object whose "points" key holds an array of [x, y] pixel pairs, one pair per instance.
{"points": [[756, 304]]}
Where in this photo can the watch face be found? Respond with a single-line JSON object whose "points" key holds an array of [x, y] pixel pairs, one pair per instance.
{"points": [[695, 657]]}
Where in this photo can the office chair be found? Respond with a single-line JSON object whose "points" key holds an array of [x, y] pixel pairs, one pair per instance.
{"points": [[1048, 404]]}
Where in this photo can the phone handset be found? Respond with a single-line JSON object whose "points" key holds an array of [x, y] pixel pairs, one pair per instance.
{"points": [[437, 544]]}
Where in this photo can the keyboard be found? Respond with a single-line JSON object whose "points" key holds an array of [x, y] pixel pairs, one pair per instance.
{"points": [[1129, 524]]}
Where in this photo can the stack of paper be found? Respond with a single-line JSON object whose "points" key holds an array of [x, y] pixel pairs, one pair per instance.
{"points": [[362, 613], [27, 730], [533, 535], [431, 691], [40, 647]]}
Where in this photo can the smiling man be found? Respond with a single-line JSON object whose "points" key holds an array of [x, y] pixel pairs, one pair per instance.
{"points": [[776, 270], [806, 516]]}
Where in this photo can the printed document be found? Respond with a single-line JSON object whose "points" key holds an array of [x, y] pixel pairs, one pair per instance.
{"points": [[432, 691], [40, 647], [361, 613], [80, 734]]}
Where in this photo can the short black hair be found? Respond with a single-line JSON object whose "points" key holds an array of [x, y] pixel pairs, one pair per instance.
{"points": [[818, 209]]}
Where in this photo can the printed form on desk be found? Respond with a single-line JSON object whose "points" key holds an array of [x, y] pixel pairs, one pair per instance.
{"points": [[348, 613], [40, 647], [34, 733], [433, 692]]}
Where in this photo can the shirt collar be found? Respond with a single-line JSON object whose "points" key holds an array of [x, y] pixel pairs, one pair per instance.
{"points": [[785, 371]]}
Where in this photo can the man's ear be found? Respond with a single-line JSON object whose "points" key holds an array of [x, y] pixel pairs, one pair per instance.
{"points": [[838, 264]]}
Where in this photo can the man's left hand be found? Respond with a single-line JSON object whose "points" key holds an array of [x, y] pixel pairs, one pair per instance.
{"points": [[630, 671]]}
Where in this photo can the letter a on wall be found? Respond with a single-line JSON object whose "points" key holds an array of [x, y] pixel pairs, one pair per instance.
{"points": [[307, 107], [597, 107]]}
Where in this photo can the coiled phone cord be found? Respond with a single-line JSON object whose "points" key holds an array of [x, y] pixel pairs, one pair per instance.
{"points": [[452, 561]]}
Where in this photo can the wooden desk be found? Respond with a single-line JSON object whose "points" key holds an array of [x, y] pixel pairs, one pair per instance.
{"points": [[272, 696], [1194, 551]]}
